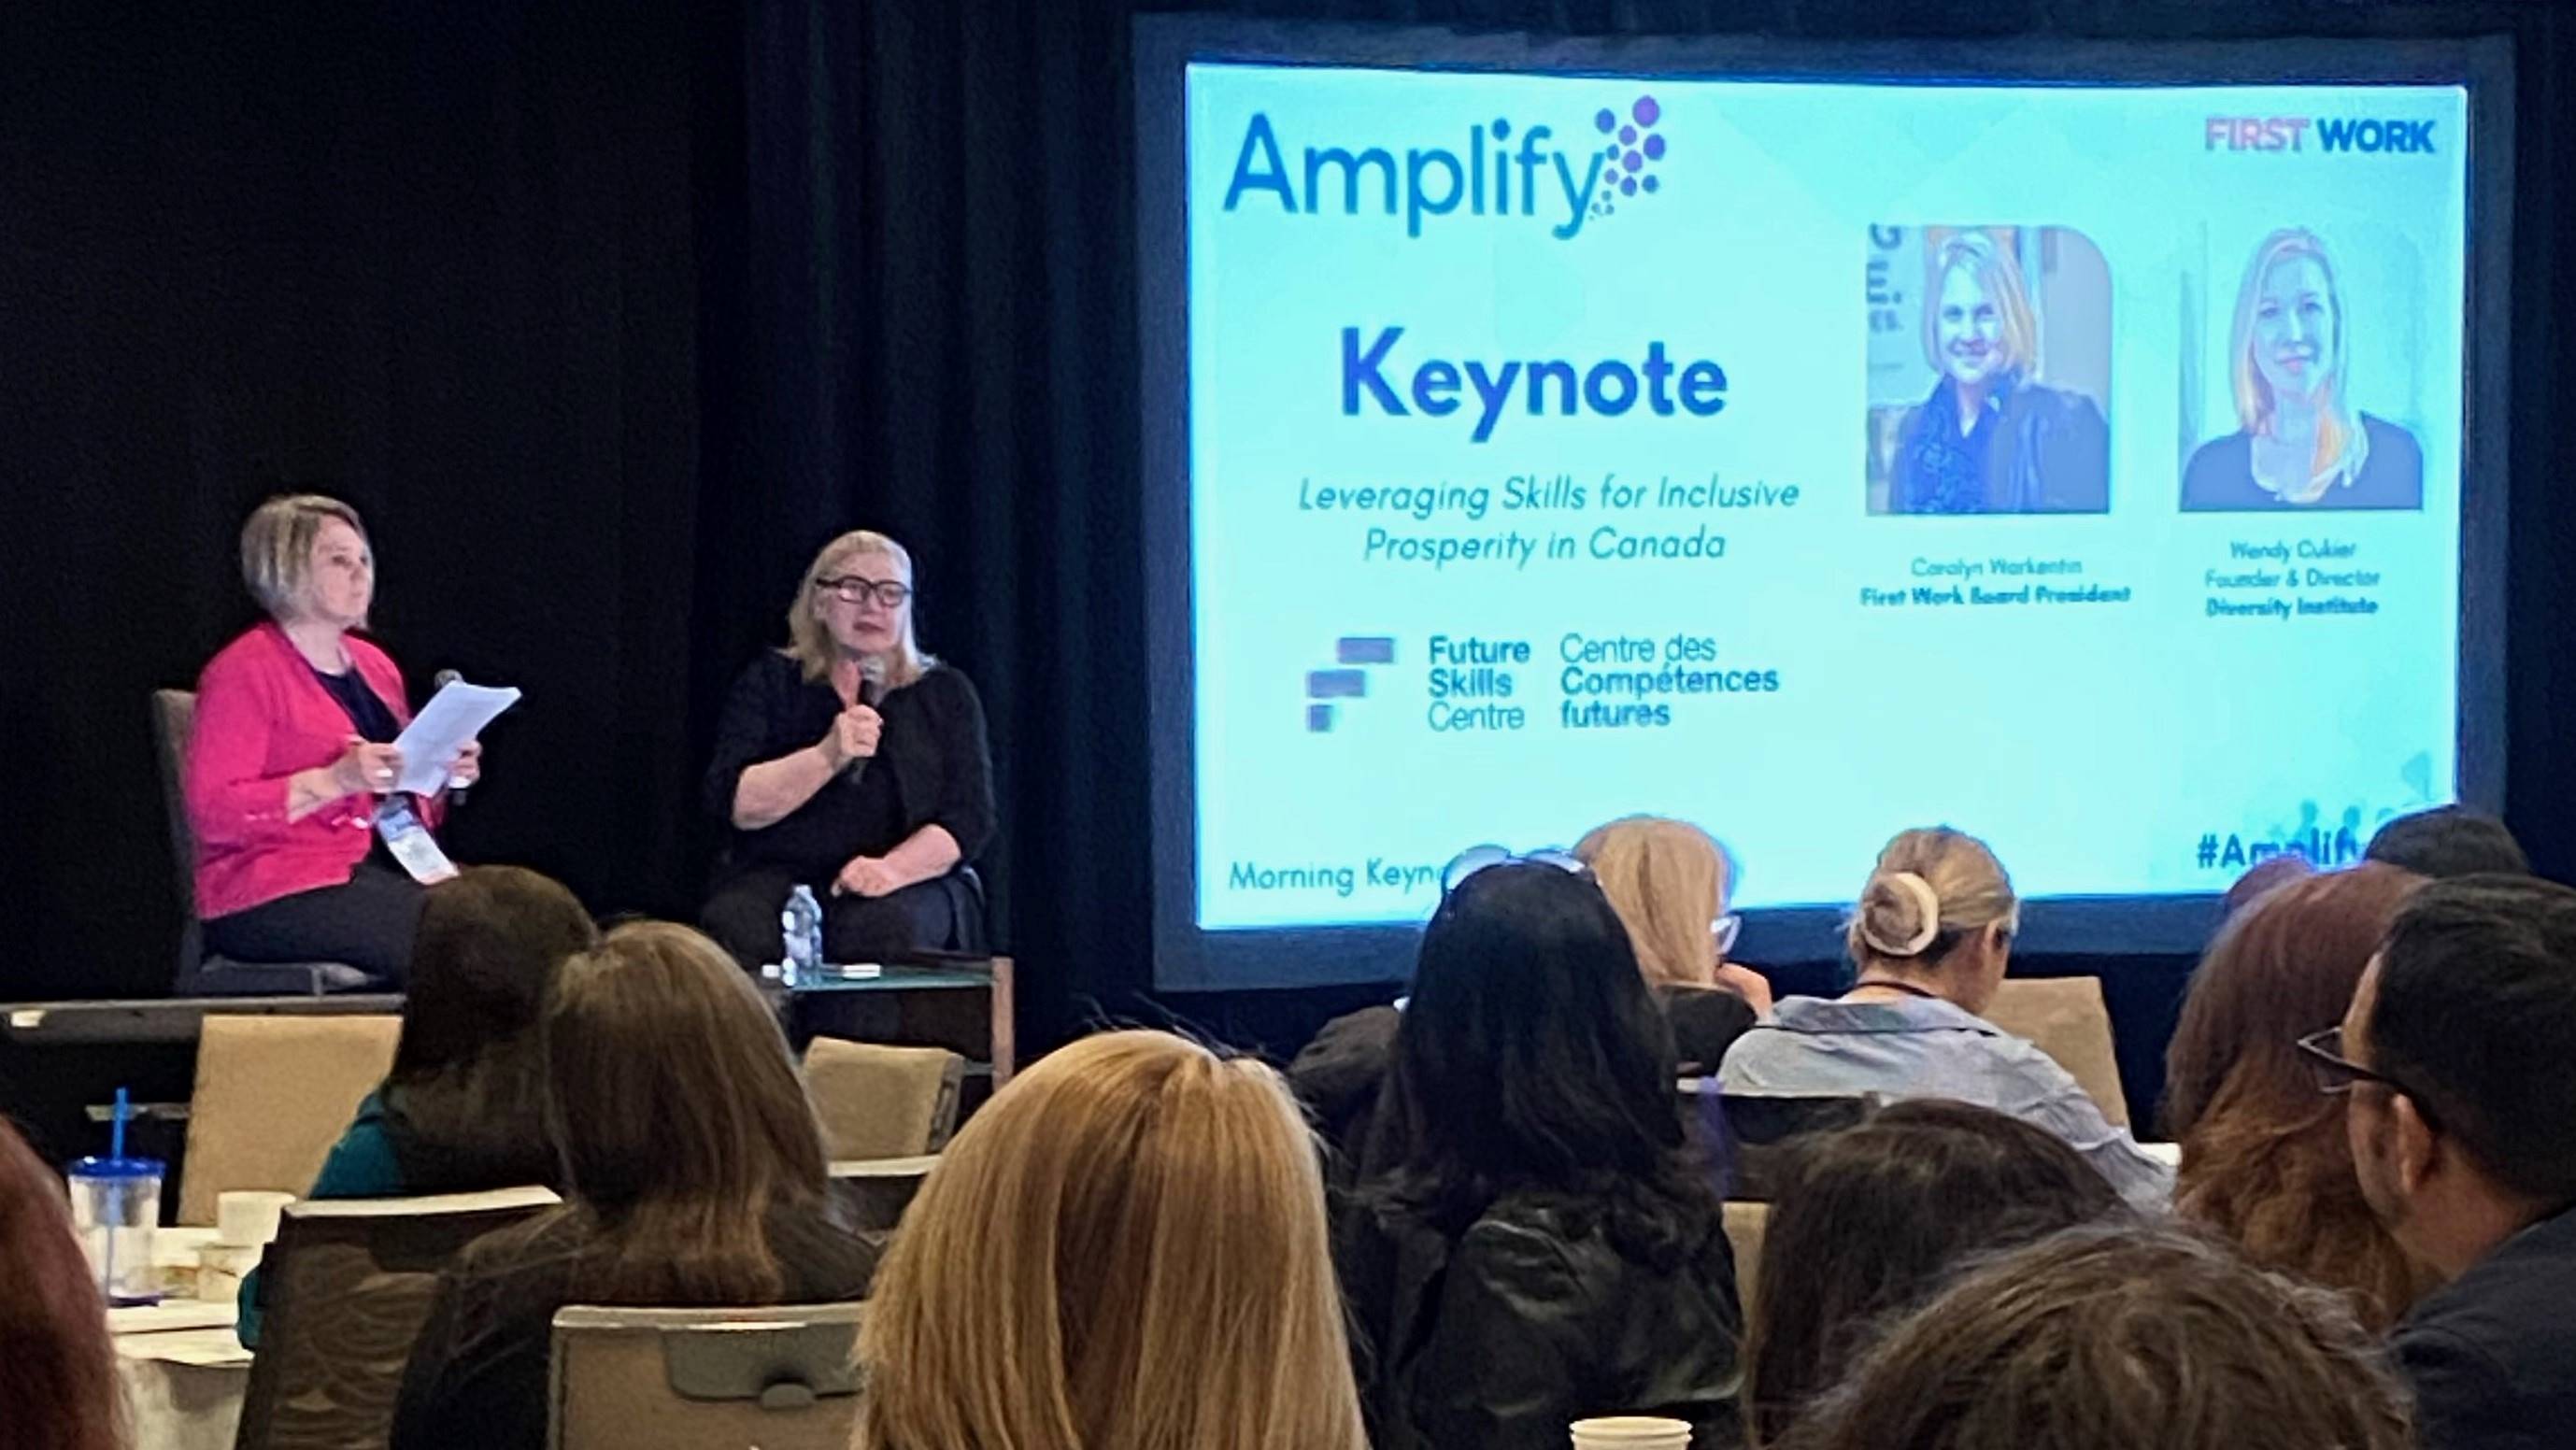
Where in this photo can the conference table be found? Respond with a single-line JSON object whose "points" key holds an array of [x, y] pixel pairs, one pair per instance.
{"points": [[183, 1371]]}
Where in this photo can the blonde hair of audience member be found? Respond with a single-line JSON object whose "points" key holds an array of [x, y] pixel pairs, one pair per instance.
{"points": [[809, 633], [277, 550], [1937, 916], [681, 1118], [1668, 880], [1125, 1250], [2117, 1338]]}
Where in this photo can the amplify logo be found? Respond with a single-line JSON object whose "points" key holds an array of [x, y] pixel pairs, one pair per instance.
{"points": [[1488, 177], [2331, 133]]}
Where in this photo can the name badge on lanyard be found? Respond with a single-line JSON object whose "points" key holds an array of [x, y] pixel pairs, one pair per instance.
{"points": [[410, 842]]}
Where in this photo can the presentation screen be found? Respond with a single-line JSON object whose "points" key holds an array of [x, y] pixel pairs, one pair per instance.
{"points": [[2077, 452]]}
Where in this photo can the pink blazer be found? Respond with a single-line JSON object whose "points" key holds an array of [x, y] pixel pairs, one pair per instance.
{"points": [[261, 717]]}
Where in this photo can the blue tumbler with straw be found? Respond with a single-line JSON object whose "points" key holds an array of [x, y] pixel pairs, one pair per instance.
{"points": [[116, 1203]]}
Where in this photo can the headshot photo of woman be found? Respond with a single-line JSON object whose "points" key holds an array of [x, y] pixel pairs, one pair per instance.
{"points": [[1993, 438], [2300, 442]]}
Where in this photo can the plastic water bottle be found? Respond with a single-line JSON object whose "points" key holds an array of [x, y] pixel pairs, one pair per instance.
{"points": [[802, 925]]}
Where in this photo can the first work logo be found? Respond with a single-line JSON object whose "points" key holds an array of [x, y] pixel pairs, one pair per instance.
{"points": [[1490, 176]]}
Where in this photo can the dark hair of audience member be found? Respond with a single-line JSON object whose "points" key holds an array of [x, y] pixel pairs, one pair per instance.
{"points": [[2119, 1339], [2476, 1009], [681, 1117], [2266, 1162], [466, 1097], [58, 1386], [1867, 1221], [2449, 841], [1533, 1056], [2261, 877]]}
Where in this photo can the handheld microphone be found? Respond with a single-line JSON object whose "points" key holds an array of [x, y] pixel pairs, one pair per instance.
{"points": [[440, 681], [871, 690]]}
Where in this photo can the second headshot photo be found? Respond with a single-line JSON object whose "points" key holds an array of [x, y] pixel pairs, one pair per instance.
{"points": [[1989, 371]]}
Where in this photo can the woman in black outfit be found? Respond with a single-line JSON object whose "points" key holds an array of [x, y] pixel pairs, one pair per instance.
{"points": [[1544, 1251], [853, 763]]}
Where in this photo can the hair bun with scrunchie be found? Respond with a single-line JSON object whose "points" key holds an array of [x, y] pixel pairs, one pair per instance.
{"points": [[1900, 914]]}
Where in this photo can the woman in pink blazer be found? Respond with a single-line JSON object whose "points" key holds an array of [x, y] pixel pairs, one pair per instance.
{"points": [[291, 759]]}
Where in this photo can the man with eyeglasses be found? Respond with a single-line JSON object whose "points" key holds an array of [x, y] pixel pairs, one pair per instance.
{"points": [[2458, 1058]]}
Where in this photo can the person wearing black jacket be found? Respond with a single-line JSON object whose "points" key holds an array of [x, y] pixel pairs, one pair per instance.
{"points": [[853, 763], [1541, 1250]]}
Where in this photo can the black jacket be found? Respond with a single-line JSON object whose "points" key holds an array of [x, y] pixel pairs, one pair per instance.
{"points": [[1536, 1316], [2492, 1354]]}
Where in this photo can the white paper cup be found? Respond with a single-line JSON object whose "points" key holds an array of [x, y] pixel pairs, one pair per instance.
{"points": [[1630, 1432], [247, 1219]]}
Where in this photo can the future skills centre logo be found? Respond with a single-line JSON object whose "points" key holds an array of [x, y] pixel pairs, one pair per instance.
{"points": [[1505, 173]]}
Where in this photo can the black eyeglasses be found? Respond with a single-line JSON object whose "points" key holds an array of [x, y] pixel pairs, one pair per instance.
{"points": [[855, 589], [2337, 1074], [1476, 858]]}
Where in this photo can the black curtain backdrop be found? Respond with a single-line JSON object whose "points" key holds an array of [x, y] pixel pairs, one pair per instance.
{"points": [[609, 314]]}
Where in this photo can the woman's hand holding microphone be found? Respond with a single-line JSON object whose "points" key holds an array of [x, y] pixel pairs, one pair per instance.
{"points": [[853, 736]]}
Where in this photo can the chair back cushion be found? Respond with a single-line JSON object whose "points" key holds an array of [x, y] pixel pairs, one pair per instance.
{"points": [[274, 1092], [882, 1102], [348, 1285], [694, 1379], [2065, 1018], [1744, 1225], [870, 1194]]}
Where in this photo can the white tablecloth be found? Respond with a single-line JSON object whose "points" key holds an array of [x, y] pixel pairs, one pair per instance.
{"points": [[183, 1371]]}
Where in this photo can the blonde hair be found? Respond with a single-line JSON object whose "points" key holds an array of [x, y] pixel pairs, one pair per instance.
{"points": [[1125, 1250], [2000, 276], [277, 547], [2342, 444], [1668, 881], [1931, 890], [809, 640]]}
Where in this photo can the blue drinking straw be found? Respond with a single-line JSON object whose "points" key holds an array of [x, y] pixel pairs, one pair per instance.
{"points": [[116, 1133]]}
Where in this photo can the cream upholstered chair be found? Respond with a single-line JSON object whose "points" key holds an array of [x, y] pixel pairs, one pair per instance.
{"points": [[2065, 1018], [778, 1378], [273, 1094], [883, 1102]]}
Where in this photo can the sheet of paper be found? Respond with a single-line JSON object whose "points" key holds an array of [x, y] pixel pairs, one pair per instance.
{"points": [[453, 716]]}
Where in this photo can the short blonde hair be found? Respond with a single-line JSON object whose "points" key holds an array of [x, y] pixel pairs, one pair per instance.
{"points": [[1125, 1250], [809, 641], [1930, 890], [2342, 444], [2000, 276], [1668, 880], [277, 547]]}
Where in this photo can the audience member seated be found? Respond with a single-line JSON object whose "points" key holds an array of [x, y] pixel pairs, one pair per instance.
{"points": [[2117, 1339], [2459, 1057], [1932, 937], [854, 763], [1668, 880], [1544, 1250], [2266, 1162], [1126, 1249], [693, 1175], [463, 1109], [2261, 877], [1870, 1221], [58, 1387], [291, 764], [2448, 841]]}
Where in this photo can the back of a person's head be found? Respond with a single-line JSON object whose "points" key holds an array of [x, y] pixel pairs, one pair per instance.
{"points": [[2262, 877], [2119, 1339], [467, 1086], [1931, 890], [58, 1386], [2266, 1162], [1125, 1250], [2476, 1007], [1869, 1220], [1532, 1053], [680, 1116], [2449, 841], [1668, 880]]}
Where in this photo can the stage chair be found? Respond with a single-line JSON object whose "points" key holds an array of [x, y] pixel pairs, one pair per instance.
{"points": [[348, 1285], [698, 1379], [2065, 1017], [200, 974], [883, 1102], [273, 1094], [872, 1193]]}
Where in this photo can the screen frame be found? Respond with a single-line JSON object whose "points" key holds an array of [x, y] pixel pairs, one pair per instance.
{"points": [[1187, 958]]}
